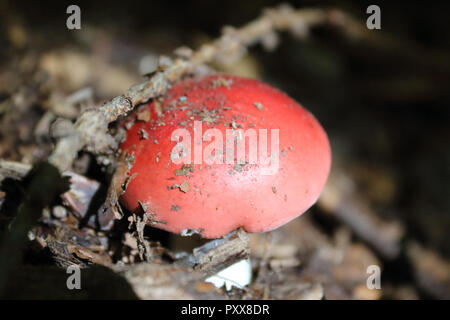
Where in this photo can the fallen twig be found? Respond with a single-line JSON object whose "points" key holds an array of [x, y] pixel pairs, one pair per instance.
{"points": [[13, 169], [341, 200], [181, 280], [432, 272], [90, 131]]}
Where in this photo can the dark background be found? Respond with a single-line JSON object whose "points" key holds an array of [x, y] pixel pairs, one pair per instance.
{"points": [[385, 108]]}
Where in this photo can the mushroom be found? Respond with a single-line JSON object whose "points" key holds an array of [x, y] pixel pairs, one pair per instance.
{"points": [[222, 152], [237, 275]]}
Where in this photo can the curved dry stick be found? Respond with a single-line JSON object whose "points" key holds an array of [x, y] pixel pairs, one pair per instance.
{"points": [[90, 131]]}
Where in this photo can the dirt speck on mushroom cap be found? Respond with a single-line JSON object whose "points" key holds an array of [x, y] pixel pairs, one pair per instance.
{"points": [[219, 202]]}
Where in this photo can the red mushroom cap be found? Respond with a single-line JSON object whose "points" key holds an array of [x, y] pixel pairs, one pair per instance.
{"points": [[216, 198]]}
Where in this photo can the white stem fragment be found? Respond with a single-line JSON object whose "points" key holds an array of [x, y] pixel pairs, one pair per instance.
{"points": [[237, 275]]}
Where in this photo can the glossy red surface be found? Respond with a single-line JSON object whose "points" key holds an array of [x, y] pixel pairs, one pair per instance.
{"points": [[223, 197]]}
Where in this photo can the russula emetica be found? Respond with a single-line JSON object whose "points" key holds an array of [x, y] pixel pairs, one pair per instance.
{"points": [[221, 152]]}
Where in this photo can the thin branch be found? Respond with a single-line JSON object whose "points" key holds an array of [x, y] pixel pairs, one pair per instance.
{"points": [[90, 131]]}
